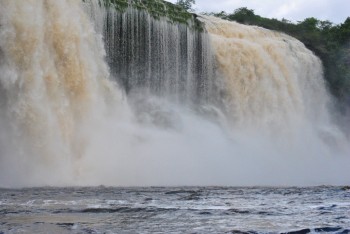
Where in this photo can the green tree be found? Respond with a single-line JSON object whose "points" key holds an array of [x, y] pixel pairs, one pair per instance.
{"points": [[243, 15], [344, 31], [186, 4], [309, 24], [325, 25]]}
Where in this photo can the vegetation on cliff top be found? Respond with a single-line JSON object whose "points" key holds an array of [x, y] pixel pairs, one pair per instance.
{"points": [[175, 13], [330, 42], [186, 4]]}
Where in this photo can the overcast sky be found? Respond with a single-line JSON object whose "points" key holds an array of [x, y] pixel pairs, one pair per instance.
{"points": [[335, 11]]}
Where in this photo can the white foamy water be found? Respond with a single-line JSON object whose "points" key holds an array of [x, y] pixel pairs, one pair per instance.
{"points": [[271, 79], [64, 121]]}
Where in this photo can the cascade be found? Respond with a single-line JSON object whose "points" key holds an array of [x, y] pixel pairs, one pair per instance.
{"points": [[90, 95], [272, 80], [54, 81], [165, 58]]}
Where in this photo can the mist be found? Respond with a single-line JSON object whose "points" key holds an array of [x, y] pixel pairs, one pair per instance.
{"points": [[67, 119]]}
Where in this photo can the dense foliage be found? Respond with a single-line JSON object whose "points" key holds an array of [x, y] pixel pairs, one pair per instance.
{"points": [[328, 41], [174, 13], [186, 4]]}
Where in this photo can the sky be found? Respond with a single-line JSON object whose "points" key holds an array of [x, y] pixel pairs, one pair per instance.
{"points": [[335, 11]]}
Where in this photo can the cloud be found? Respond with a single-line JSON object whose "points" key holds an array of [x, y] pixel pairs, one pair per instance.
{"points": [[299, 9]]}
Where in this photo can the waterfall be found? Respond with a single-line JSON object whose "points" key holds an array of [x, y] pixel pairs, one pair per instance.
{"points": [[165, 58], [271, 80], [91, 96], [54, 81]]}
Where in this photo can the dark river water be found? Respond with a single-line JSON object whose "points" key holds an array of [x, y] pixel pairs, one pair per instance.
{"points": [[175, 210]]}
